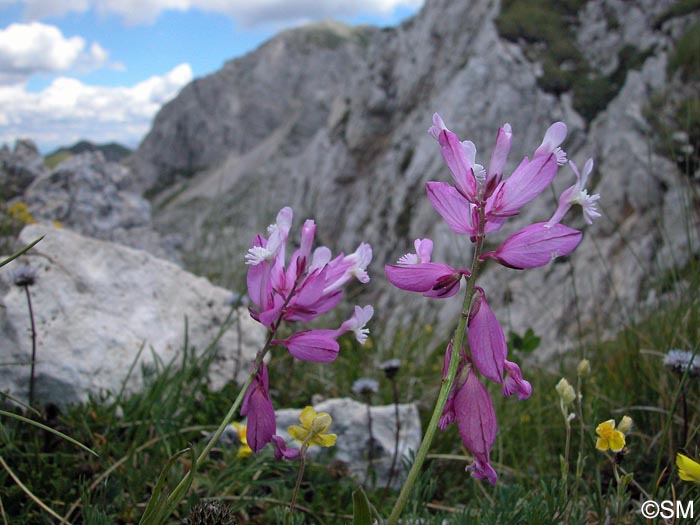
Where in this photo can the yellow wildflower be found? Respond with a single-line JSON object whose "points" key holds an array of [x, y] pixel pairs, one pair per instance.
{"points": [[313, 428], [609, 438], [244, 450], [688, 470], [20, 212]]}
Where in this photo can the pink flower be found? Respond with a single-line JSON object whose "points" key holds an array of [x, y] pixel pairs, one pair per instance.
{"points": [[577, 194], [282, 451], [536, 245], [458, 212], [476, 421], [311, 284], [261, 414], [489, 350], [499, 157], [527, 181], [316, 346], [321, 346], [415, 273], [459, 157]]}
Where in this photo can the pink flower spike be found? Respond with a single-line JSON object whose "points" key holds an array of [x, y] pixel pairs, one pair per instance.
{"points": [[500, 154], [282, 451], [553, 137], [261, 414], [476, 420], [315, 346], [357, 323], [452, 206], [514, 382], [577, 194], [487, 341], [536, 245]]}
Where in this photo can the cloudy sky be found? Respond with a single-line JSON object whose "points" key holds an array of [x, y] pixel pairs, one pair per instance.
{"points": [[100, 69]]}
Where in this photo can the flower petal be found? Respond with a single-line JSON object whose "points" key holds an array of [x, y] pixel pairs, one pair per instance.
{"points": [[487, 341], [536, 245], [417, 277], [315, 346], [688, 470], [456, 155], [452, 206], [261, 414], [526, 183], [476, 420]]}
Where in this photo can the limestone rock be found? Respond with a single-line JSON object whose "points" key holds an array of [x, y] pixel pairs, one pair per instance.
{"points": [[96, 304], [89, 195], [352, 446], [19, 167]]}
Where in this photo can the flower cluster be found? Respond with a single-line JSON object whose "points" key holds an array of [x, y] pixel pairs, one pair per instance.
{"points": [[300, 290], [479, 203]]}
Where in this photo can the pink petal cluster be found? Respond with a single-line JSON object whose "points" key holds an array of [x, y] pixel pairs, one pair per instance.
{"points": [[479, 203], [299, 290]]}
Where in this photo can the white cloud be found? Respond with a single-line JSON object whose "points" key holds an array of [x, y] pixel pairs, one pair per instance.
{"points": [[68, 110], [248, 12], [31, 48]]}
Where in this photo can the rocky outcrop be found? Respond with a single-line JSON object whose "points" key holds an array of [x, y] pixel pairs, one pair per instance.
{"points": [[335, 127], [90, 195], [19, 167], [100, 308]]}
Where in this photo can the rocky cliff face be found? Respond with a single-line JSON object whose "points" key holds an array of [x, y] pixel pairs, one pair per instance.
{"points": [[331, 120]]}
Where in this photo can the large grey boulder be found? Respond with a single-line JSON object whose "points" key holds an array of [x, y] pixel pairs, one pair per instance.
{"points": [[350, 424], [96, 304]]}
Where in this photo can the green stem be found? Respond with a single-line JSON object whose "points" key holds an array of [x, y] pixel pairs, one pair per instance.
{"points": [[447, 381], [241, 394], [302, 465]]}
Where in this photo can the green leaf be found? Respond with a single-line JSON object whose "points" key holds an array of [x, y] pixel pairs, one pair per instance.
{"points": [[49, 429], [361, 508], [162, 505], [23, 250]]}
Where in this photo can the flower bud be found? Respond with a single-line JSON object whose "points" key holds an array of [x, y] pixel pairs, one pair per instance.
{"points": [[625, 425], [321, 423], [566, 391], [584, 368]]}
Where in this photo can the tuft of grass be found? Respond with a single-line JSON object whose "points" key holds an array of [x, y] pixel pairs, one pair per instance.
{"points": [[685, 58]]}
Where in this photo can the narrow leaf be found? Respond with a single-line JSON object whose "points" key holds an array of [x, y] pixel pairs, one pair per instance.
{"points": [[361, 511], [49, 429]]}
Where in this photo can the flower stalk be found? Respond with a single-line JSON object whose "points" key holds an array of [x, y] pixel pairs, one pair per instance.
{"points": [[445, 388]]}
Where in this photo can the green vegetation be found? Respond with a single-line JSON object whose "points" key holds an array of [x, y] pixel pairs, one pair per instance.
{"points": [[548, 30], [112, 152], [135, 434], [676, 9], [686, 57]]}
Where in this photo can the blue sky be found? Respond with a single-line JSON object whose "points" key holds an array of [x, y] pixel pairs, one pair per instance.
{"points": [[100, 69]]}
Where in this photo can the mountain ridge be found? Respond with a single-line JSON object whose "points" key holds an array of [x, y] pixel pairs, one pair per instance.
{"points": [[338, 133]]}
